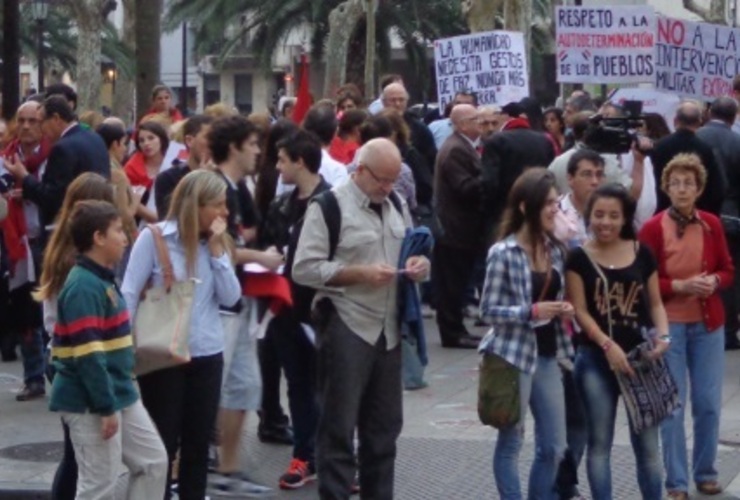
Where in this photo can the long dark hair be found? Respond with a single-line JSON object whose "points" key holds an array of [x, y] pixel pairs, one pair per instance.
{"points": [[268, 175], [619, 193], [530, 190]]}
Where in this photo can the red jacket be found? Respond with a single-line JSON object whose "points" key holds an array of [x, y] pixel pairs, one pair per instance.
{"points": [[716, 260]]}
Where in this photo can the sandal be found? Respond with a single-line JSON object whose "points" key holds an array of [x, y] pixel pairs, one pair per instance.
{"points": [[709, 487], [678, 495]]}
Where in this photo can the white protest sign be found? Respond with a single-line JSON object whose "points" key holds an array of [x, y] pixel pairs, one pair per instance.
{"points": [[491, 64], [696, 60], [605, 44]]}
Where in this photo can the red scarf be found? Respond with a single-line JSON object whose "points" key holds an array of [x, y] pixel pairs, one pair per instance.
{"points": [[14, 226], [516, 123], [136, 171]]}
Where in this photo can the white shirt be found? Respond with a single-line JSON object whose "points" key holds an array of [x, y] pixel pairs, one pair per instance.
{"points": [[333, 172], [375, 107], [441, 130]]}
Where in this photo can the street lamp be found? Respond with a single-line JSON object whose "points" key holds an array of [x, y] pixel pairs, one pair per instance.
{"points": [[39, 11]]}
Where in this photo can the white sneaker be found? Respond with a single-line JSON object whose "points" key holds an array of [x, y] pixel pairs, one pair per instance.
{"points": [[237, 486]]}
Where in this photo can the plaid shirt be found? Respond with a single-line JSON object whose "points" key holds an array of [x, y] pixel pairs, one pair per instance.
{"points": [[507, 303]]}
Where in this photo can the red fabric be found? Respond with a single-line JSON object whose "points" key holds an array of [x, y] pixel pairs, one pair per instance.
{"points": [[343, 151], [516, 123], [303, 103], [716, 260], [271, 286], [555, 144], [175, 115], [14, 226], [136, 171], [33, 162]]}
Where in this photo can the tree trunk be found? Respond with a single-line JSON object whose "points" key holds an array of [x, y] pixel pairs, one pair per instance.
{"points": [[11, 58], [371, 7], [89, 17], [123, 98], [518, 17], [342, 22], [481, 14], [714, 14], [148, 50]]}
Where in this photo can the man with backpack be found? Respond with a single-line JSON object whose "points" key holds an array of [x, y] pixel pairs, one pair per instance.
{"points": [[356, 318]]}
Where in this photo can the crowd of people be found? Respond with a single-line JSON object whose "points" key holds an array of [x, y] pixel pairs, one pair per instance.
{"points": [[308, 241]]}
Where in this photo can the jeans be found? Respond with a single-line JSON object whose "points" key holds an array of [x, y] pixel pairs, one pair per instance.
{"points": [[298, 358], [27, 321], [700, 355], [544, 392], [183, 403], [136, 444], [599, 390], [576, 430]]}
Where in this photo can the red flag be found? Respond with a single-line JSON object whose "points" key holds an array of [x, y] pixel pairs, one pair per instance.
{"points": [[303, 103]]}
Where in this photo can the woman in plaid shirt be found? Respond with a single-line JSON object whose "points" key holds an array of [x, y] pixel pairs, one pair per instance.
{"points": [[523, 300]]}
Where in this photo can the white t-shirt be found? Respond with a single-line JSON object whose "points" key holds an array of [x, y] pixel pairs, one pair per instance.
{"points": [[333, 172]]}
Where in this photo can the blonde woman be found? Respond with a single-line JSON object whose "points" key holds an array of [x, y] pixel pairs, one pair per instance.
{"points": [[183, 400]]}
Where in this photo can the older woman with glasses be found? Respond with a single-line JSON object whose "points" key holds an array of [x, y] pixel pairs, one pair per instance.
{"points": [[694, 264]]}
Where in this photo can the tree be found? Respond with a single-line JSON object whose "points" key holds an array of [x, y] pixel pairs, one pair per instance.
{"points": [[714, 14], [148, 50], [90, 18], [125, 88]]}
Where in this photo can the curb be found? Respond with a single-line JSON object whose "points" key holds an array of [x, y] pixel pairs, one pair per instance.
{"points": [[24, 491]]}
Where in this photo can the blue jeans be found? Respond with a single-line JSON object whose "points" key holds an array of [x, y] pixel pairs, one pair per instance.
{"points": [[700, 355], [599, 390], [544, 391]]}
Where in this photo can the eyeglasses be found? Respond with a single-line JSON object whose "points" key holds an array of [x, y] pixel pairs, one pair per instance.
{"points": [[379, 180], [488, 123], [688, 185]]}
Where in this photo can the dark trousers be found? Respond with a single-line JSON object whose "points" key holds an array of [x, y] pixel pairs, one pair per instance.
{"points": [[183, 402], [452, 270], [272, 413], [359, 387], [297, 356], [64, 486], [731, 295], [27, 320]]}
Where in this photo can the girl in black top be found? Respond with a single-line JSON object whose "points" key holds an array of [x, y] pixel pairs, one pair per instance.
{"points": [[631, 301]]}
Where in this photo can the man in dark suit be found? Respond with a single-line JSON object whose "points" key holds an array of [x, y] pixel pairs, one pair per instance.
{"points": [[685, 140], [75, 151], [505, 156], [725, 144], [459, 240]]}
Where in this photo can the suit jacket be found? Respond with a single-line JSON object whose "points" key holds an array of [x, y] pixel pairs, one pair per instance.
{"points": [[421, 138], [725, 145], [506, 155], [457, 193], [686, 141], [77, 151]]}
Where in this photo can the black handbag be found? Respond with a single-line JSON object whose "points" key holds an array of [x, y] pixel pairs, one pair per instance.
{"points": [[651, 395]]}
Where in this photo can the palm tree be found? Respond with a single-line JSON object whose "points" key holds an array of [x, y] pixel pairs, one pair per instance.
{"points": [[148, 34], [269, 23]]}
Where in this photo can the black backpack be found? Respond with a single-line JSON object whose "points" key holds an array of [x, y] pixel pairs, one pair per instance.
{"points": [[333, 215]]}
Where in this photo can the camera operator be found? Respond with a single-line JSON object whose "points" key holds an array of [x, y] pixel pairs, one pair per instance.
{"points": [[684, 140], [631, 169]]}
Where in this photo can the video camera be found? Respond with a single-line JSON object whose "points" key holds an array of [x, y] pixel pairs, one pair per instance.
{"points": [[615, 135]]}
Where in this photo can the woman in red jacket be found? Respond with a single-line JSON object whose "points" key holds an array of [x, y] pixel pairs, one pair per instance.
{"points": [[694, 264]]}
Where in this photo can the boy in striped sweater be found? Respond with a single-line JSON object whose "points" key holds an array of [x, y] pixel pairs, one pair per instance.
{"points": [[94, 357]]}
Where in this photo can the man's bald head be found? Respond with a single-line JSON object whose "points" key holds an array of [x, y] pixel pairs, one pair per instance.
{"points": [[114, 120], [379, 165], [464, 118], [28, 123], [688, 115], [395, 96], [32, 105]]}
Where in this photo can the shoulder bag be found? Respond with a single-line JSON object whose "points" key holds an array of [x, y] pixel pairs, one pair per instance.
{"points": [[651, 395], [162, 323]]}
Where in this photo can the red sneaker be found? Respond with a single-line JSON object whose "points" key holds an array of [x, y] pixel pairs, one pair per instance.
{"points": [[299, 474]]}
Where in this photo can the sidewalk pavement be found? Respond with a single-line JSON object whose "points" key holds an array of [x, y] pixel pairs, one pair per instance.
{"points": [[444, 451]]}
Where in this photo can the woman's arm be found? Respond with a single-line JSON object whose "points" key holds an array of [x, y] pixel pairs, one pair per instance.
{"points": [[145, 213], [725, 270], [138, 272], [497, 291]]}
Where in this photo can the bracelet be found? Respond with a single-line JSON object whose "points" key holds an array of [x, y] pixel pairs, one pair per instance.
{"points": [[607, 345], [665, 338]]}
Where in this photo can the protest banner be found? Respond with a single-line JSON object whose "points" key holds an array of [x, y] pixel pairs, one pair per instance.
{"points": [[492, 64], [605, 44], [653, 101], [696, 60]]}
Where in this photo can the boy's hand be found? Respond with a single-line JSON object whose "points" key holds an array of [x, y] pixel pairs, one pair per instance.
{"points": [[108, 426]]}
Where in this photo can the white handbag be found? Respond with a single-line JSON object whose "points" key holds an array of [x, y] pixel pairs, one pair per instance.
{"points": [[162, 323]]}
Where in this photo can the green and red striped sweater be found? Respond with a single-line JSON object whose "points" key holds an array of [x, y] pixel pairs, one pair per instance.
{"points": [[92, 348]]}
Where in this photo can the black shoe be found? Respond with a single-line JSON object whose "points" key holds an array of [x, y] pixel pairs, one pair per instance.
{"points": [[732, 345], [33, 390], [463, 342], [276, 435]]}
